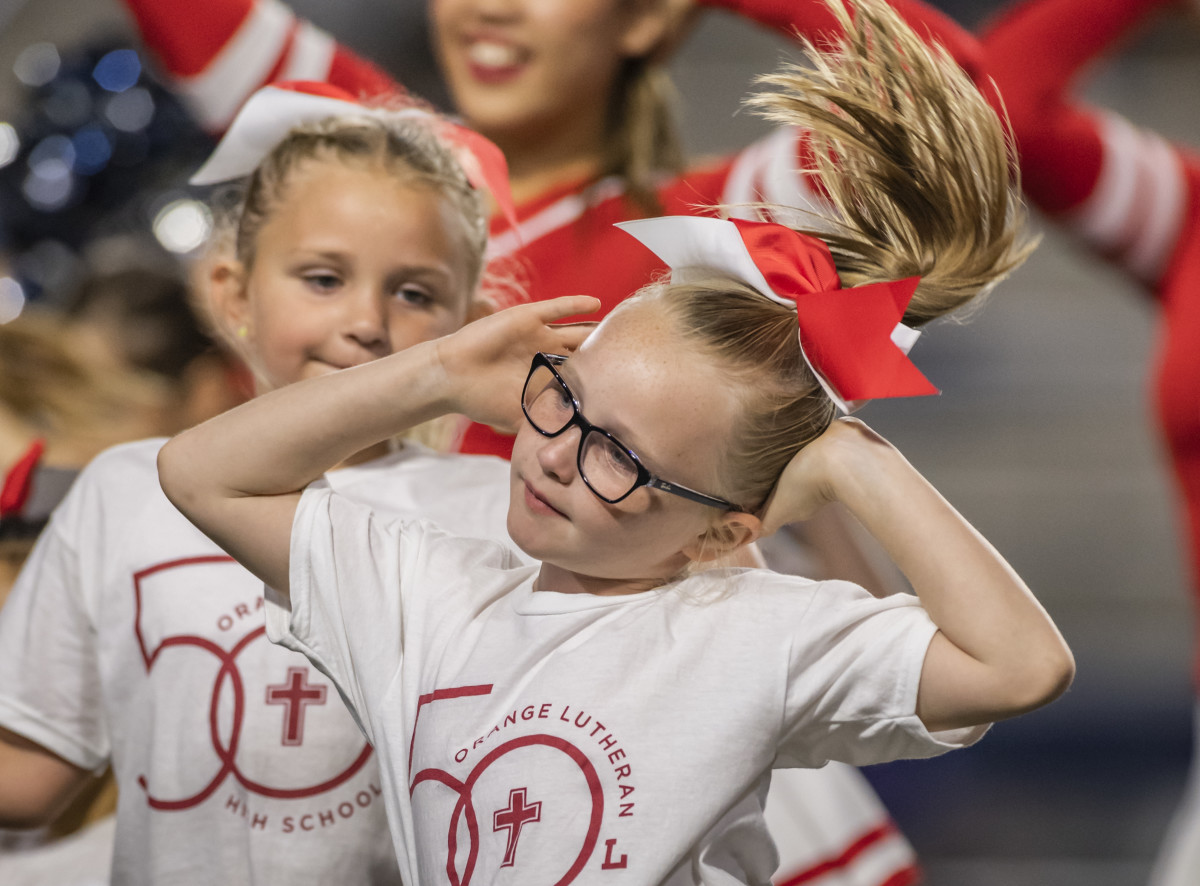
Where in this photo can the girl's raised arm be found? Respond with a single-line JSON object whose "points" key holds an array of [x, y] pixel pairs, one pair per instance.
{"points": [[239, 476], [220, 51], [997, 653]]}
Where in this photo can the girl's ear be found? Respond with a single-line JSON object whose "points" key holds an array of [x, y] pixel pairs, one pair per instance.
{"points": [[734, 530], [228, 302], [655, 27]]}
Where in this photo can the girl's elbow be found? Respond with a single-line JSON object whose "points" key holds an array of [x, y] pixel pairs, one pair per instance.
{"points": [[176, 480], [1044, 679], [1060, 674], [168, 473]]}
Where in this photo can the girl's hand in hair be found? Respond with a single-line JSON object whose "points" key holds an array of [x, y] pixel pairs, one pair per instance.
{"points": [[997, 653], [810, 480], [486, 362]]}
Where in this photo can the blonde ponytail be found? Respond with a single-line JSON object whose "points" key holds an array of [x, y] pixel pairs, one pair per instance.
{"points": [[914, 160], [921, 180]]}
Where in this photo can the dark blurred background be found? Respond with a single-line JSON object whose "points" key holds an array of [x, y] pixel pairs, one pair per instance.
{"points": [[1042, 438]]}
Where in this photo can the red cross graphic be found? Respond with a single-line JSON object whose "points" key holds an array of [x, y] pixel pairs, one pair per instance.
{"points": [[296, 693], [513, 819]]}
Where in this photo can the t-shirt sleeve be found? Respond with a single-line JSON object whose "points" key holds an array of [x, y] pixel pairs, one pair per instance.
{"points": [[854, 670], [49, 660], [345, 608]]}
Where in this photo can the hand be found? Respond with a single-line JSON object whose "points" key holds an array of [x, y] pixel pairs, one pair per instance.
{"points": [[487, 361], [810, 480]]}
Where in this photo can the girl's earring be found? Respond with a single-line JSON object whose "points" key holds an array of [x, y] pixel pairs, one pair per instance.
{"points": [[243, 331]]}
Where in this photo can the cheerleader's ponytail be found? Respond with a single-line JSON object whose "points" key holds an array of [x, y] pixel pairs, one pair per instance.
{"points": [[916, 163]]}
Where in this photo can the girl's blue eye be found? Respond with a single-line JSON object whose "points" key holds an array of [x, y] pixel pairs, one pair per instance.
{"points": [[322, 282], [414, 295]]}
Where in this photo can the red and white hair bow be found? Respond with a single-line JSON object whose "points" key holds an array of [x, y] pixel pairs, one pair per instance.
{"points": [[852, 339], [268, 115]]}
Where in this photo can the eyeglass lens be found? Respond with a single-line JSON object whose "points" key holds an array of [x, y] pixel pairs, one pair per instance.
{"points": [[606, 467]]}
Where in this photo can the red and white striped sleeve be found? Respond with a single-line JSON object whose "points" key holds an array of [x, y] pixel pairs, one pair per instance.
{"points": [[1123, 190], [1137, 208], [217, 53]]}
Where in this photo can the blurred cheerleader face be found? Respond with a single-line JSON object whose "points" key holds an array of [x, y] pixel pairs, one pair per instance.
{"points": [[638, 380], [354, 263], [525, 69]]}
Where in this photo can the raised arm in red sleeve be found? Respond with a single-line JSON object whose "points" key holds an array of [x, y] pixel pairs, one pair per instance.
{"points": [[811, 18], [1035, 52], [220, 51], [1123, 190]]}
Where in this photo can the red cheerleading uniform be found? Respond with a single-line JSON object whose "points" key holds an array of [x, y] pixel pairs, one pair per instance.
{"points": [[831, 828], [1125, 192], [564, 241], [1135, 198]]}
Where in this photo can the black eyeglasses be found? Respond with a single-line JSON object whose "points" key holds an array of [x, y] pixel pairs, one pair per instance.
{"points": [[608, 467]]}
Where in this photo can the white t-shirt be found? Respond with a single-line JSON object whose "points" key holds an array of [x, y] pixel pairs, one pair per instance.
{"points": [[543, 737], [131, 638]]}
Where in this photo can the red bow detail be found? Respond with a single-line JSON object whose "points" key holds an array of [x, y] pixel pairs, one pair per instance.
{"points": [[492, 173], [846, 334], [484, 163], [19, 480]]}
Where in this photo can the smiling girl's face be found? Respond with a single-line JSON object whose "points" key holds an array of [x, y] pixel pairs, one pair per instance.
{"points": [[525, 69], [638, 379], [354, 263]]}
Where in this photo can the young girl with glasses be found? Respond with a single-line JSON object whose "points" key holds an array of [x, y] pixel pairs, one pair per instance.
{"points": [[132, 639], [577, 94], [613, 713]]}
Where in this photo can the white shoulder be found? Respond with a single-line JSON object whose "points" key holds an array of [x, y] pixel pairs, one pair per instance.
{"points": [[126, 466], [465, 494]]}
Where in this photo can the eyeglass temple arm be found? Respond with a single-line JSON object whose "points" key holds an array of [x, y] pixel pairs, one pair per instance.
{"points": [[691, 494]]}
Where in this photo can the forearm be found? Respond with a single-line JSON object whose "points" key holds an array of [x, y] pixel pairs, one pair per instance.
{"points": [[1050, 41], [814, 20], [35, 785], [843, 551], [238, 476], [187, 37], [220, 51], [1035, 51], [284, 440], [1012, 656]]}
